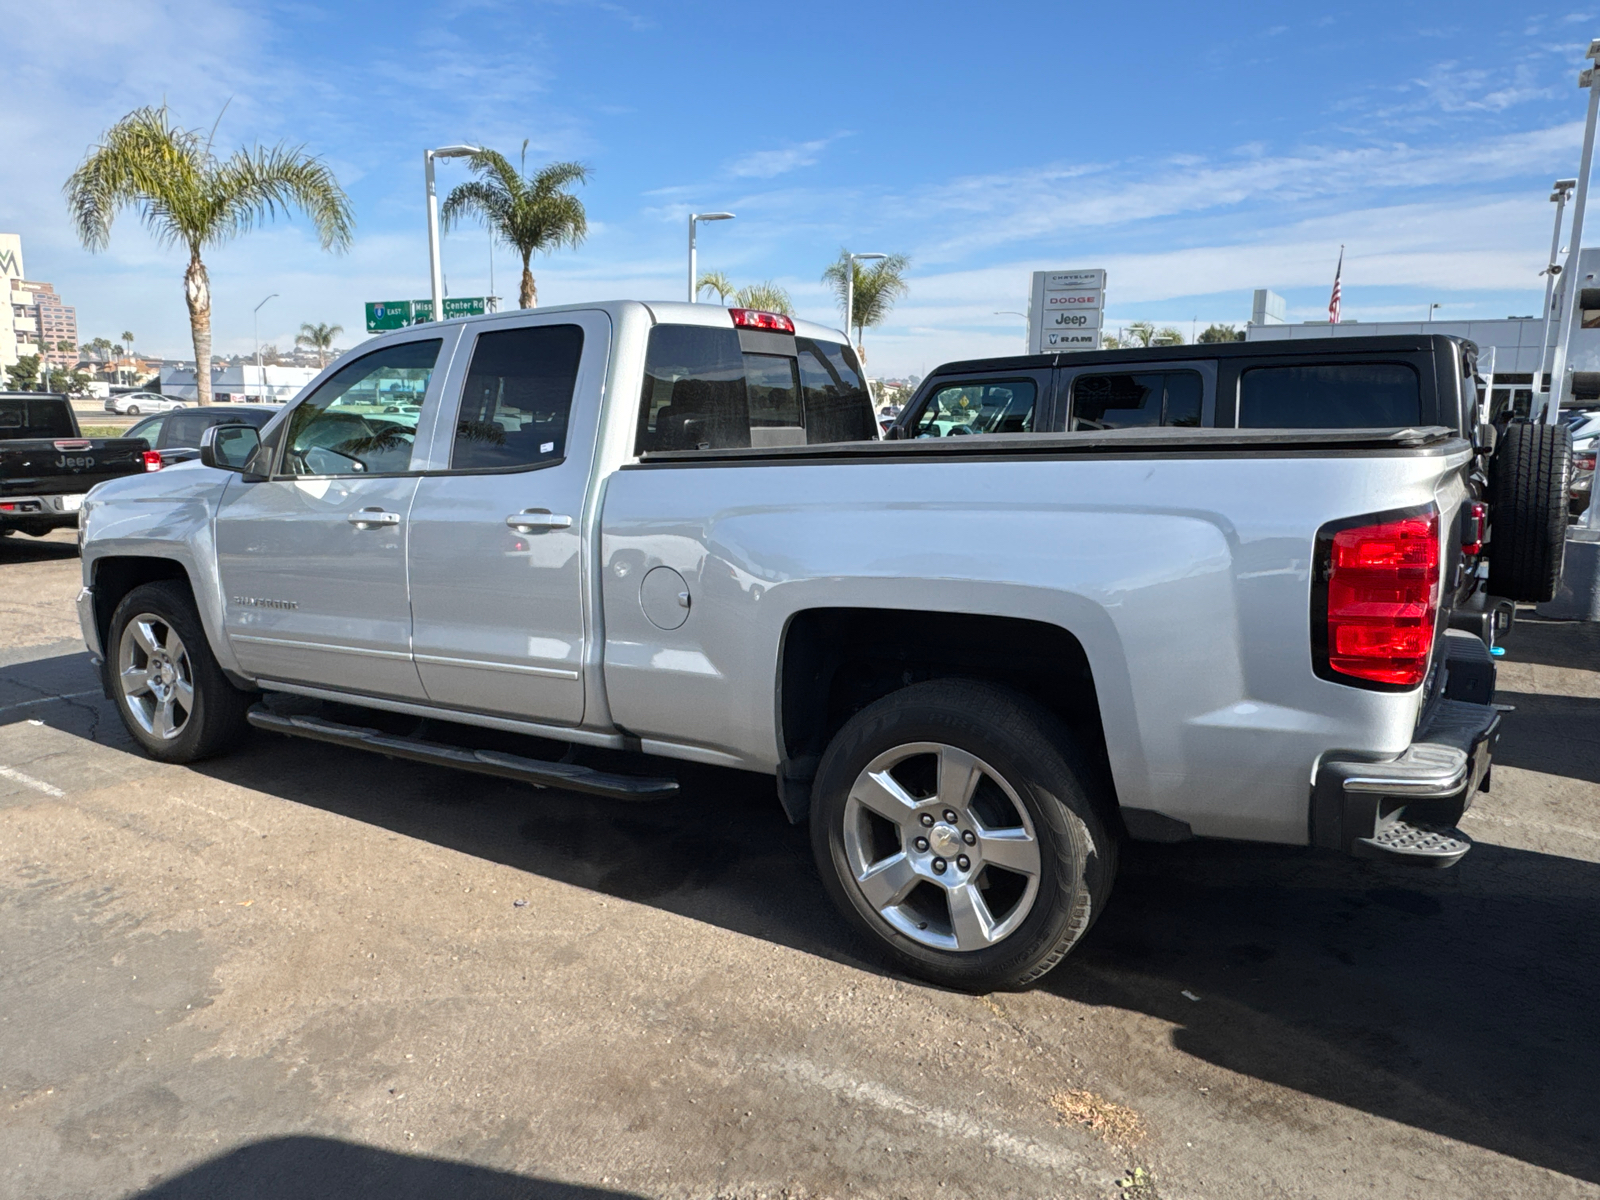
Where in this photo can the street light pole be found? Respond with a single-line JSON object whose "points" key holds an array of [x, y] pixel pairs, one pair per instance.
{"points": [[1558, 368], [1560, 194], [435, 271], [694, 218], [1431, 307], [256, 318], [850, 291]]}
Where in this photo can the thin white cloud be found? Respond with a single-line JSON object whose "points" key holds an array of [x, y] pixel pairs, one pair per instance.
{"points": [[767, 164]]}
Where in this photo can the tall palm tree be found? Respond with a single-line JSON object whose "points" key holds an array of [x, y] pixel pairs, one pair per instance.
{"points": [[527, 213], [187, 196], [318, 337], [876, 289], [715, 281]]}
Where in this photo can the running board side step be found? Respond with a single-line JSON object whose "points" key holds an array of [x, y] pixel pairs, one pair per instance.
{"points": [[567, 776]]}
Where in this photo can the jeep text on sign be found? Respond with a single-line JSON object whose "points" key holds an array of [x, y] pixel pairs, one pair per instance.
{"points": [[1066, 309]]}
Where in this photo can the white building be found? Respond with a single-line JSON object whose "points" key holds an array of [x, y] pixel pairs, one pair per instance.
{"points": [[276, 385]]}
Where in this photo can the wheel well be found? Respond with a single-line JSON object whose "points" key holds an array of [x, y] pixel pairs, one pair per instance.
{"points": [[115, 577], [836, 661]]}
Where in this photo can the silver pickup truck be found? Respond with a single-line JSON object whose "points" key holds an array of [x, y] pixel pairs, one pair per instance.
{"points": [[657, 532]]}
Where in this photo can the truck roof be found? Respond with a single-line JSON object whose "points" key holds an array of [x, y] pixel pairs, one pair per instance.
{"points": [[662, 312], [1299, 347]]}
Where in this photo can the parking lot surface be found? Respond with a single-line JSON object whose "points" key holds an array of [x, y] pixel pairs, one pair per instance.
{"points": [[304, 971]]}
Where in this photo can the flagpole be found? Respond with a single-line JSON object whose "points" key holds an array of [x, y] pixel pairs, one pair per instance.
{"points": [[1335, 302]]}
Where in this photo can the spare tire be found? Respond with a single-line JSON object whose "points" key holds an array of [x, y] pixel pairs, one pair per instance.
{"points": [[1529, 477]]}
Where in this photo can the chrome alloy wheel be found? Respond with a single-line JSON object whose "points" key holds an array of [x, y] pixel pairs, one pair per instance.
{"points": [[940, 846], [156, 677]]}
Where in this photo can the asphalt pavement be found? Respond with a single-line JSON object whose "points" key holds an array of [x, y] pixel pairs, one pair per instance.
{"points": [[302, 971]]}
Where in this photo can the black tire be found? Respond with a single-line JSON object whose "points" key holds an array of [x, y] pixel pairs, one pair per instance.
{"points": [[132, 410], [1030, 752], [1529, 478], [216, 721]]}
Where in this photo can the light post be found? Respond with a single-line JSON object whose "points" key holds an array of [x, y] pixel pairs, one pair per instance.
{"points": [[255, 316], [435, 271], [1569, 290], [1559, 195], [1431, 307], [694, 219], [850, 290]]}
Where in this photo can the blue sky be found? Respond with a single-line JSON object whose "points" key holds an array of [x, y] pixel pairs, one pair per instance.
{"points": [[1195, 151]]}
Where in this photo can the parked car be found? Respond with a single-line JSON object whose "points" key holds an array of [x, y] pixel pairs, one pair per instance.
{"points": [[135, 403], [175, 437], [47, 465], [973, 663]]}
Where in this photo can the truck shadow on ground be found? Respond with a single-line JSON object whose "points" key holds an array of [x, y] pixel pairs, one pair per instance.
{"points": [[21, 549], [1463, 1002], [316, 1168]]}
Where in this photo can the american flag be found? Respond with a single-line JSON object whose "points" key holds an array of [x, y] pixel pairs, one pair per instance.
{"points": [[1333, 301]]}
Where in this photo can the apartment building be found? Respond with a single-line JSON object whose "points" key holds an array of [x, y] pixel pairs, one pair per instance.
{"points": [[38, 321]]}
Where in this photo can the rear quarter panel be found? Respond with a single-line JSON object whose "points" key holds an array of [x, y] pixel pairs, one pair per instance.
{"points": [[1187, 581]]}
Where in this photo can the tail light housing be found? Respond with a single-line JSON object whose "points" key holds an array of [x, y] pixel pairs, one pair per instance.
{"points": [[1475, 523], [1375, 605], [152, 460], [754, 318]]}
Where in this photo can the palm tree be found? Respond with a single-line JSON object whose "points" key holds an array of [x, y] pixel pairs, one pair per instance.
{"points": [[876, 289], [768, 297], [187, 196], [526, 213], [318, 338], [717, 282]]}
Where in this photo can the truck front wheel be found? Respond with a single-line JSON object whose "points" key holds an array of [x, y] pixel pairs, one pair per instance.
{"points": [[955, 824], [172, 695]]}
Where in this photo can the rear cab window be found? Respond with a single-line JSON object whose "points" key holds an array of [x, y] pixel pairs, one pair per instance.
{"points": [[711, 388], [1370, 395], [46, 417]]}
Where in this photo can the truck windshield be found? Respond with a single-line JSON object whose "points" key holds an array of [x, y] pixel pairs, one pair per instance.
{"points": [[702, 392], [46, 417]]}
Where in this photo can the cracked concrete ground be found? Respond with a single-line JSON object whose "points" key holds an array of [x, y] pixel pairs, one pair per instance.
{"points": [[302, 972]]}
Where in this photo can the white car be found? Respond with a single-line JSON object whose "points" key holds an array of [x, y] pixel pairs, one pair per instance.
{"points": [[135, 404]]}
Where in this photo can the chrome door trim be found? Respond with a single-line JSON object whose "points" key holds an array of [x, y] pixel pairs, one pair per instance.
{"points": [[482, 664], [298, 645]]}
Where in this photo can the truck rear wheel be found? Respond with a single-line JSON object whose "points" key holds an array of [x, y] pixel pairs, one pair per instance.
{"points": [[954, 823], [1529, 477], [172, 695]]}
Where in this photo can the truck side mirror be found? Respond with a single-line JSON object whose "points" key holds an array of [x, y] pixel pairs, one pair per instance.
{"points": [[230, 447]]}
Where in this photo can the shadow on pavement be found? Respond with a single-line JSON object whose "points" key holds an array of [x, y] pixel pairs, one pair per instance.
{"points": [[1559, 735], [19, 548], [1554, 643], [315, 1168], [1461, 1002]]}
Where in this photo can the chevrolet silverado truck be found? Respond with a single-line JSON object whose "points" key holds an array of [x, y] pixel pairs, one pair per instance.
{"points": [[47, 466], [614, 536]]}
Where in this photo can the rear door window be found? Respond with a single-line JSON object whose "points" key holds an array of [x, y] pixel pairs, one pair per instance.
{"points": [[703, 392], [517, 397], [1135, 400], [183, 429], [989, 406], [1331, 396]]}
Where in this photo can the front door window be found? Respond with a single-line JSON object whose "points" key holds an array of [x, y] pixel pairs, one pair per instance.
{"points": [[363, 419]]}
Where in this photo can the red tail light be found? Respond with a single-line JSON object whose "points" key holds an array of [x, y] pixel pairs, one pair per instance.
{"points": [[1583, 460], [152, 460], [754, 318], [1380, 592]]}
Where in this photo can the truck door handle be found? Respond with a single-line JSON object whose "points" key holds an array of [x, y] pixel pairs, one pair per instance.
{"points": [[533, 520], [373, 518]]}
